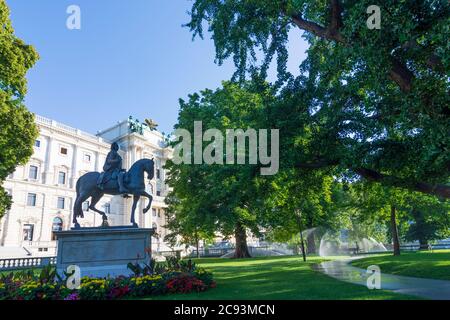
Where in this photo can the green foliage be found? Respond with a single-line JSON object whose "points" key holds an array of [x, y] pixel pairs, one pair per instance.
{"points": [[142, 269], [370, 103], [172, 264], [45, 284], [419, 216], [17, 127], [174, 276], [229, 193], [428, 219]]}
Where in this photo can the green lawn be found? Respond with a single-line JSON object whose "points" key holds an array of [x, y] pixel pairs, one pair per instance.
{"points": [[277, 278], [433, 265]]}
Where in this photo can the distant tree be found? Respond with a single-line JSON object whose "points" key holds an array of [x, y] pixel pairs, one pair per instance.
{"points": [[371, 103], [187, 223], [428, 219], [409, 215], [295, 202], [17, 128], [379, 203]]}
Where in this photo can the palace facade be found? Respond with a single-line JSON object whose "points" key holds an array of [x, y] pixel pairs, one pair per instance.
{"points": [[43, 190]]}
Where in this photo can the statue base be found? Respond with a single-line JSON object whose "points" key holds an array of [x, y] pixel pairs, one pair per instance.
{"points": [[102, 252]]}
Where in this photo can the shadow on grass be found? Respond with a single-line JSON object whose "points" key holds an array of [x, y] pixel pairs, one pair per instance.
{"points": [[422, 264], [277, 278]]}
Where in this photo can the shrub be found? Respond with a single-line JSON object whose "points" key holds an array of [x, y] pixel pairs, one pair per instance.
{"points": [[185, 283], [175, 276], [3, 291], [205, 276], [119, 287], [34, 290], [147, 285], [93, 289]]}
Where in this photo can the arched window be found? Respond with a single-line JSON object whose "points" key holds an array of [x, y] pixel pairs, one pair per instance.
{"points": [[155, 226], [57, 225]]}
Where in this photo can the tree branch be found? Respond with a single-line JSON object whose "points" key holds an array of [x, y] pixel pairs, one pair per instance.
{"points": [[331, 32], [399, 73], [436, 190], [312, 27], [439, 190], [336, 19]]}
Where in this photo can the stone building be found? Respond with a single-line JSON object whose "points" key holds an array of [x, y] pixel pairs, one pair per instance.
{"points": [[43, 190]]}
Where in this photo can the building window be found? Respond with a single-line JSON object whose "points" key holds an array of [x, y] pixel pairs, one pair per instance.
{"points": [[159, 213], [33, 173], [158, 193], [37, 143], [85, 206], [87, 157], [28, 232], [158, 173], [62, 178], [61, 202], [63, 151], [107, 208], [155, 226], [154, 212], [57, 225], [31, 199]]}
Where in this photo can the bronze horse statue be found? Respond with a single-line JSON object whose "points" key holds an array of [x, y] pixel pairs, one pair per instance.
{"points": [[134, 180]]}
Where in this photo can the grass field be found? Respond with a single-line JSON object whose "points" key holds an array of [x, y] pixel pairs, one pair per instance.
{"points": [[433, 265], [277, 278]]}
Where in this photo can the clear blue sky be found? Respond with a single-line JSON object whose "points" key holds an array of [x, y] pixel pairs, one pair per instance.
{"points": [[129, 58]]}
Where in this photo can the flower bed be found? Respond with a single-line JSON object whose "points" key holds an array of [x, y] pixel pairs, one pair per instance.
{"points": [[173, 278]]}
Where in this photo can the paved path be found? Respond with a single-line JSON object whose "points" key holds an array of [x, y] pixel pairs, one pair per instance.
{"points": [[426, 288]]}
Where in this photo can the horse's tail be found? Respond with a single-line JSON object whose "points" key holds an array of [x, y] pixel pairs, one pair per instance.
{"points": [[78, 206]]}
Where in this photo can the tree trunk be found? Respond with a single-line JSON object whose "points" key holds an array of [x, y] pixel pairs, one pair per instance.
{"points": [[423, 244], [197, 242], [394, 232], [311, 243], [241, 250]]}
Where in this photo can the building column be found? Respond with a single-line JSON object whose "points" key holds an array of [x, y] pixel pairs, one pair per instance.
{"points": [[133, 154], [74, 175], [97, 161], [48, 174]]}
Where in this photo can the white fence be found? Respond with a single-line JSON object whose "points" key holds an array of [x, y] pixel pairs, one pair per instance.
{"points": [[26, 263]]}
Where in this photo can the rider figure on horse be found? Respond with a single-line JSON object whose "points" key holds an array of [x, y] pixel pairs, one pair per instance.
{"points": [[113, 169]]}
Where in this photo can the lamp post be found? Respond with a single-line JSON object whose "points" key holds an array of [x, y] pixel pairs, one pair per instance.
{"points": [[299, 222]]}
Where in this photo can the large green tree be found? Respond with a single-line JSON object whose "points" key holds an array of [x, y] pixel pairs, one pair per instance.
{"points": [[370, 103], [17, 127], [227, 198]]}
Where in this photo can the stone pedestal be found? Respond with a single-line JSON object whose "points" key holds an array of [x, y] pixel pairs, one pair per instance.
{"points": [[100, 252]]}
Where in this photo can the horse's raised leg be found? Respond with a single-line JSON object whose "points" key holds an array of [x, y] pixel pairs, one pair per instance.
{"points": [[95, 198], [150, 199], [133, 209]]}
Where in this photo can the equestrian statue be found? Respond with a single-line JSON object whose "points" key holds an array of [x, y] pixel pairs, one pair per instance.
{"points": [[114, 181]]}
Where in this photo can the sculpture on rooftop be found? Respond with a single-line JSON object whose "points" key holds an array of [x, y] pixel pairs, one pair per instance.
{"points": [[114, 181], [136, 126]]}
